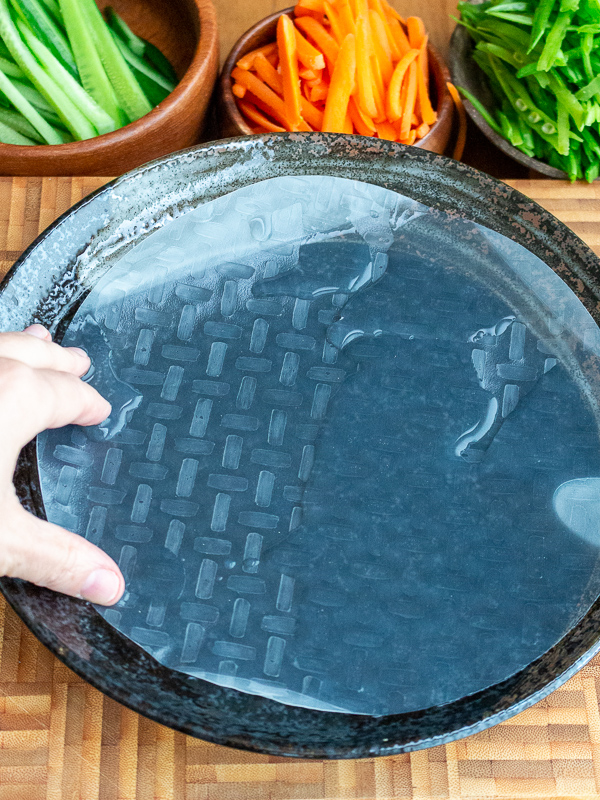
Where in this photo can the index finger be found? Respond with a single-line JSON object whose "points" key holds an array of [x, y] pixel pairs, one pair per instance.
{"points": [[32, 400], [41, 353]]}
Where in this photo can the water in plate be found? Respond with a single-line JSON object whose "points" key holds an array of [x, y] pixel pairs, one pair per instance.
{"points": [[352, 453]]}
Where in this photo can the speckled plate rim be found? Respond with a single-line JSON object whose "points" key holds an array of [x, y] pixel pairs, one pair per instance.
{"points": [[115, 665]]}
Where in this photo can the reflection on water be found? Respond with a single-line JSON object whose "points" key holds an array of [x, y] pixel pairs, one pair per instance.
{"points": [[577, 503]]}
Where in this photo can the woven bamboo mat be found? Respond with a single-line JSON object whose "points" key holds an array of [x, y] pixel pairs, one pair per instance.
{"points": [[60, 739]]}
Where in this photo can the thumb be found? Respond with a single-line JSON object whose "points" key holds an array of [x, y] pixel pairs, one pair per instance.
{"points": [[50, 556]]}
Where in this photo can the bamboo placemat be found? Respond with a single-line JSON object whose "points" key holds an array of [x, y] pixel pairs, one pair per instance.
{"points": [[60, 739]]}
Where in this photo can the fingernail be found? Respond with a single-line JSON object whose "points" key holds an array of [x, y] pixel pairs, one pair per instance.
{"points": [[78, 351], [38, 331], [101, 586]]}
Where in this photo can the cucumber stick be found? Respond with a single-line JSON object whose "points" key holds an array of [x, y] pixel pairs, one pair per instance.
{"points": [[35, 98], [46, 30], [67, 74], [46, 131], [91, 72], [80, 98], [140, 47], [74, 120], [10, 68], [141, 66], [129, 94], [10, 136], [161, 62], [44, 107], [54, 9], [122, 29], [153, 91], [19, 124]]}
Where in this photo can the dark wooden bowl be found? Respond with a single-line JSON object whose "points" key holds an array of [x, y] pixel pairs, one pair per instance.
{"points": [[232, 123], [186, 32], [467, 74]]}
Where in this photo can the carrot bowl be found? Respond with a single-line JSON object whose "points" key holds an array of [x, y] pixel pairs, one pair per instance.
{"points": [[254, 97]]}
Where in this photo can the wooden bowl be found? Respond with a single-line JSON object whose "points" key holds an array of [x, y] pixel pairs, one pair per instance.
{"points": [[186, 32], [232, 123]]}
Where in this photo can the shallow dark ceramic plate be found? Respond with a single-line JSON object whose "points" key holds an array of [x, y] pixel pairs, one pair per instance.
{"points": [[55, 275], [467, 74]]}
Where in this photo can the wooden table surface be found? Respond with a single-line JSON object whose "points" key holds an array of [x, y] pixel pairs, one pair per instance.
{"points": [[60, 739]]}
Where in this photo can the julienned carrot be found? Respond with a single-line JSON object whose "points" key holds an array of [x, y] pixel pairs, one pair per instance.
{"points": [[311, 114], [416, 31], [308, 55], [418, 38], [346, 17], [358, 124], [411, 97], [305, 81], [391, 11], [267, 110], [428, 115], [255, 115], [364, 74], [288, 64], [385, 130], [378, 90], [253, 84], [334, 22], [246, 61], [422, 130], [399, 36], [324, 41], [312, 8], [319, 92], [461, 137], [267, 72], [361, 8], [395, 52], [381, 46], [424, 60], [341, 87], [394, 108], [348, 124], [363, 124]]}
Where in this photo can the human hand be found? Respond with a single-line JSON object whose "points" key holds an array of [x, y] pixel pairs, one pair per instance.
{"points": [[40, 388]]}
